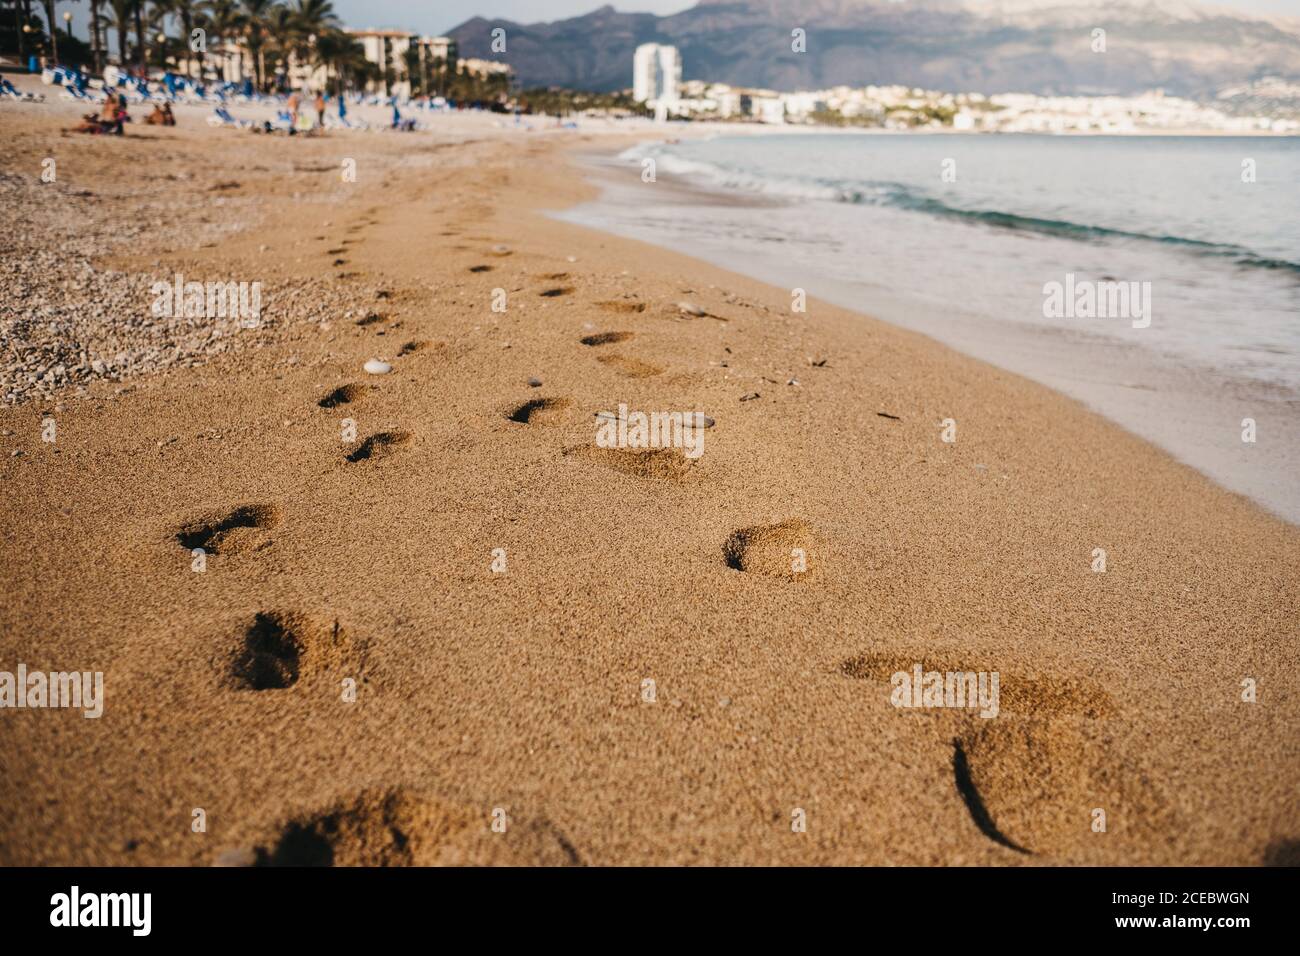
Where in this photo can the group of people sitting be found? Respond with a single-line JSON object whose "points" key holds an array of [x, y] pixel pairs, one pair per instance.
{"points": [[161, 115], [113, 115]]}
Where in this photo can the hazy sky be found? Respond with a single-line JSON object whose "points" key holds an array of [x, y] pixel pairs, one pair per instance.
{"points": [[437, 16]]}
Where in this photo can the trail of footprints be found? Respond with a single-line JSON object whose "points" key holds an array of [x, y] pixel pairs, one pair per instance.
{"points": [[1018, 778]]}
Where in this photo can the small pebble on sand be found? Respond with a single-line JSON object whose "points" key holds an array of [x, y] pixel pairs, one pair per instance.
{"points": [[535, 383], [690, 308], [376, 367]]}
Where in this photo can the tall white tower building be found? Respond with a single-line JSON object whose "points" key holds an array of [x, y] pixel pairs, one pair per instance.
{"points": [[670, 74], [645, 71], [656, 74]]}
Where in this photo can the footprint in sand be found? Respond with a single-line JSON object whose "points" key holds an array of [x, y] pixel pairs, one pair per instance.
{"points": [[540, 411], [235, 532], [370, 318], [380, 445], [480, 268], [1031, 777], [632, 368], [605, 338], [403, 827], [1285, 852], [1017, 696], [410, 348], [1038, 781], [344, 395], [556, 292], [277, 648], [622, 307], [785, 550], [659, 464]]}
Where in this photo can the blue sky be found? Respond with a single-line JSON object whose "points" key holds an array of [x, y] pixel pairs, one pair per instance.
{"points": [[437, 16]]}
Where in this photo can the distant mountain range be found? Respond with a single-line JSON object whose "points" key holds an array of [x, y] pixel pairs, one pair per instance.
{"points": [[987, 46]]}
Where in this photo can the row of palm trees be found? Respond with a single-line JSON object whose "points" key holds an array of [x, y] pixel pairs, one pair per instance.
{"points": [[276, 34]]}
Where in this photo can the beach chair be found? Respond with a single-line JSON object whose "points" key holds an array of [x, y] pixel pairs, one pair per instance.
{"points": [[221, 117], [8, 89], [73, 93]]}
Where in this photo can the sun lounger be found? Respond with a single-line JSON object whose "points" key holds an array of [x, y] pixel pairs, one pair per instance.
{"points": [[221, 117]]}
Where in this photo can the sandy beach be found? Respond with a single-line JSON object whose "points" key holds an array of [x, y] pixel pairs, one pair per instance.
{"points": [[605, 648]]}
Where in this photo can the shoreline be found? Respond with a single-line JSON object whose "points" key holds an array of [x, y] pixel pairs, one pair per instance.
{"points": [[1172, 404], [524, 690]]}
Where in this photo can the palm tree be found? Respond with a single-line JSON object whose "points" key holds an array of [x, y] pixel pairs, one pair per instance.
{"points": [[122, 11], [314, 17], [54, 30], [257, 13], [282, 41], [95, 48], [186, 12], [155, 29], [142, 47], [226, 22], [341, 55]]}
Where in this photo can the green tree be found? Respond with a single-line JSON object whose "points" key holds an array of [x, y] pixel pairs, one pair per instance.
{"points": [[342, 56], [123, 10], [225, 23], [96, 46], [142, 45], [256, 23], [53, 29]]}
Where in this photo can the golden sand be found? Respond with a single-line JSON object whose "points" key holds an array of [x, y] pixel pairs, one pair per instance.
{"points": [[645, 682]]}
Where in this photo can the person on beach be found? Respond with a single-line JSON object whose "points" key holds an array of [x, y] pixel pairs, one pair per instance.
{"points": [[161, 116], [113, 114], [294, 102], [320, 109], [89, 124]]}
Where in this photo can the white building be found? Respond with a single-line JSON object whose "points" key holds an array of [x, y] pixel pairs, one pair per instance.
{"points": [[387, 50], [656, 75], [768, 109]]}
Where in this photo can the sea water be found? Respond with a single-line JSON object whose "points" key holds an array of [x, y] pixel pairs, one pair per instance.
{"points": [[967, 238]]}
